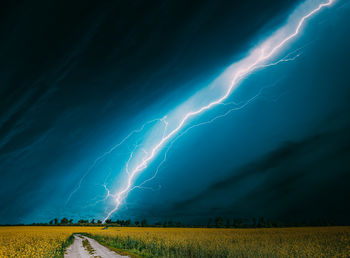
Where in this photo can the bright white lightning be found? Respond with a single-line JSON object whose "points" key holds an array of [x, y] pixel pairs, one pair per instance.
{"points": [[98, 159], [238, 106], [246, 66]]}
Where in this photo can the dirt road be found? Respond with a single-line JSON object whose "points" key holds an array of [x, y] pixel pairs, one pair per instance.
{"points": [[85, 247]]}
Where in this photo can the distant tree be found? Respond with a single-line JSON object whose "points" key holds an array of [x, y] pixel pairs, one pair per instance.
{"points": [[128, 223], [219, 222], [64, 221], [170, 223], [261, 223], [254, 223], [209, 222], [99, 222], [144, 223], [268, 223], [278, 224], [137, 223], [228, 223], [56, 221], [108, 221], [51, 222], [165, 224], [237, 223], [92, 221], [178, 224], [70, 221]]}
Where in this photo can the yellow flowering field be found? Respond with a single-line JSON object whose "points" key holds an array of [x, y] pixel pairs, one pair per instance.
{"points": [[210, 242], [30, 241]]}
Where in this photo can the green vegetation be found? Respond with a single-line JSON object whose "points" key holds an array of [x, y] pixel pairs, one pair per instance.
{"points": [[217, 222], [60, 251], [88, 247], [116, 247], [135, 248], [221, 242]]}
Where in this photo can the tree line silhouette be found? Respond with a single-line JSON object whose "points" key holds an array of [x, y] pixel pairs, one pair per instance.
{"points": [[217, 222]]}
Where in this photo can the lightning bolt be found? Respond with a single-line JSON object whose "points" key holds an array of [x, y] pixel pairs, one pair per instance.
{"points": [[98, 159], [239, 106], [251, 63]]}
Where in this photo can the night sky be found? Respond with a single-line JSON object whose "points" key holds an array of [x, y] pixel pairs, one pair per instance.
{"points": [[76, 77]]}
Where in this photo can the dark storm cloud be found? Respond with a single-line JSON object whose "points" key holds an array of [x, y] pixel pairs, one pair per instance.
{"points": [[294, 181], [48, 38], [28, 89], [41, 48], [68, 67]]}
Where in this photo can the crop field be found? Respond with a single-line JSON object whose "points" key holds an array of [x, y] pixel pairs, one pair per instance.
{"points": [[31, 241]]}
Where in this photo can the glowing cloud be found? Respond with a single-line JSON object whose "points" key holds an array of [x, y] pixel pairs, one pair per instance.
{"points": [[213, 96]]}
